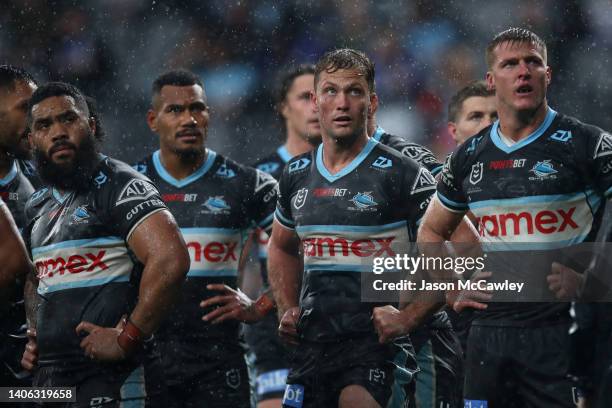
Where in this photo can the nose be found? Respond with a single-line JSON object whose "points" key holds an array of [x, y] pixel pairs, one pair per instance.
{"points": [[58, 131], [524, 69], [342, 101]]}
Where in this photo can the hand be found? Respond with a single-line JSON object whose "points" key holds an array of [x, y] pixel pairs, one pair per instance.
{"points": [[564, 282], [460, 300], [232, 305], [389, 323], [287, 328], [101, 343], [30, 354]]}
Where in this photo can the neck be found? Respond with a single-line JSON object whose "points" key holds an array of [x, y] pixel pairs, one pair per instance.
{"points": [[178, 166], [297, 145], [337, 154], [6, 162], [517, 125]]}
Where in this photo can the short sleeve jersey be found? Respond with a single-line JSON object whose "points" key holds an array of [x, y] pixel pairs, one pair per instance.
{"points": [[78, 243], [368, 209], [215, 207], [15, 189], [544, 193]]}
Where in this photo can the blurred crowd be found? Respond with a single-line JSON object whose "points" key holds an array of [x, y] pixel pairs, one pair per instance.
{"points": [[424, 50]]}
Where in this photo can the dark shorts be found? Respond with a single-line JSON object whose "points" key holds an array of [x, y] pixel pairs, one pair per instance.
{"points": [[320, 371], [271, 357], [518, 367], [215, 386], [439, 382]]}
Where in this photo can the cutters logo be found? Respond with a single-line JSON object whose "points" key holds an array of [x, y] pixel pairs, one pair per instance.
{"points": [[212, 251], [87, 262], [424, 181], [604, 146], [476, 173], [382, 162], [507, 164], [561, 136], [363, 200], [543, 170], [330, 192], [263, 180], [526, 223], [136, 189], [300, 198], [363, 248]]}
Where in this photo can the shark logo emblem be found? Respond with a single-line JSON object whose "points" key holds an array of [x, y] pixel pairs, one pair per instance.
{"points": [[216, 204], [364, 200]]}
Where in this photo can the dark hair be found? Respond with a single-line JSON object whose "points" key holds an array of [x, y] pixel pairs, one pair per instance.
{"points": [[287, 78], [515, 35], [475, 88], [178, 77], [52, 89], [10, 75], [346, 58]]}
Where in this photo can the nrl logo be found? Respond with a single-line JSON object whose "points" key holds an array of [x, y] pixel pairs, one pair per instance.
{"points": [[300, 198], [476, 174]]}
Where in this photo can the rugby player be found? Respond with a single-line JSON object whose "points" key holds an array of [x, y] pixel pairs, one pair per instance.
{"points": [[216, 202], [536, 162], [351, 190], [470, 110], [302, 134], [109, 259], [17, 177]]}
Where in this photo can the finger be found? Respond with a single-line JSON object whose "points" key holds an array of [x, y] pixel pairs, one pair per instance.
{"points": [[85, 342], [218, 286], [86, 327], [464, 304], [217, 300], [121, 322], [31, 332], [562, 294], [553, 278], [288, 329], [217, 312], [554, 286], [231, 315]]}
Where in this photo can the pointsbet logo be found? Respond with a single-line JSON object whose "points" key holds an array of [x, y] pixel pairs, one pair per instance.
{"points": [[412, 264]]}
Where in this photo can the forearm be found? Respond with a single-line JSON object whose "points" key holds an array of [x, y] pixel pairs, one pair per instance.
{"points": [[31, 299], [284, 270], [159, 288]]}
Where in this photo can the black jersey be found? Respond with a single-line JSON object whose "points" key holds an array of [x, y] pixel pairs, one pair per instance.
{"points": [[272, 164], [86, 272], [367, 210], [415, 151], [215, 208], [539, 195], [15, 189]]}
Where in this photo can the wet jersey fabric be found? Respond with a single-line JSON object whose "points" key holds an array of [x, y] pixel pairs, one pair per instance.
{"points": [[344, 220], [78, 243], [215, 207], [543, 194], [16, 188], [415, 151], [272, 164]]}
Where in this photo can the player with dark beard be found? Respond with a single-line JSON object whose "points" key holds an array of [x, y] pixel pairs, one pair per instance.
{"points": [[108, 255]]}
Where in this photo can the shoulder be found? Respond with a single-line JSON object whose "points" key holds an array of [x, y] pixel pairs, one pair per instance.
{"points": [[37, 200], [116, 178], [144, 166], [272, 163]]}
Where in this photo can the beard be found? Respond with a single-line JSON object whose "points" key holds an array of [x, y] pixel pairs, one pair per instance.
{"points": [[19, 149], [75, 175], [191, 154]]}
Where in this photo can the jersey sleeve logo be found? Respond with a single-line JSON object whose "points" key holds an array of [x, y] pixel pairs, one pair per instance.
{"points": [[300, 198], [423, 181], [476, 173], [224, 172], [263, 180], [561, 136], [141, 168], [299, 165], [136, 189], [382, 162], [270, 167], [100, 179], [604, 146]]}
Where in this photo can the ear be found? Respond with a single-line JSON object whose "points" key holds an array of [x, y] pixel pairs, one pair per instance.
{"points": [[313, 100], [151, 120], [283, 108], [373, 104], [452, 129], [548, 75], [92, 124], [490, 81]]}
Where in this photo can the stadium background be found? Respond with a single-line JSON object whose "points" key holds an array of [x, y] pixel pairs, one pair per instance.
{"points": [[424, 51]]}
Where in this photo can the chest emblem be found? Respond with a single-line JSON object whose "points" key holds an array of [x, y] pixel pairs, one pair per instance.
{"points": [[300, 198], [476, 173], [217, 205], [364, 200]]}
